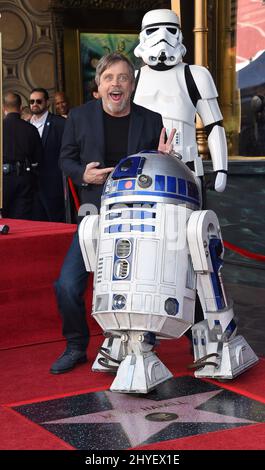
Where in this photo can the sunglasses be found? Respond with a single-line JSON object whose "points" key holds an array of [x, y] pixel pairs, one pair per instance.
{"points": [[35, 101]]}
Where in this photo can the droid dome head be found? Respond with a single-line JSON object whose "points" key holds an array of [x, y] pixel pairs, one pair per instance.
{"points": [[152, 177], [160, 39]]}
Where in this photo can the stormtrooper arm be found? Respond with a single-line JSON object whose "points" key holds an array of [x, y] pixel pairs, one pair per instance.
{"points": [[216, 141], [209, 111], [88, 233]]}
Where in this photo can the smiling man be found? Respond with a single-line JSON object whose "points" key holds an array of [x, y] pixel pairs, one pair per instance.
{"points": [[61, 103], [115, 86], [97, 135]]}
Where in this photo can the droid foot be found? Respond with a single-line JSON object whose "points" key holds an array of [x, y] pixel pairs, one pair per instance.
{"points": [[140, 374], [229, 360], [109, 356]]}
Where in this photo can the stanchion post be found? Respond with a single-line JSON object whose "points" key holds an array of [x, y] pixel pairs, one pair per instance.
{"points": [[1, 129]]}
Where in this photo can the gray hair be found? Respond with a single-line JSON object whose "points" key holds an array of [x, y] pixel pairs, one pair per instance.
{"points": [[107, 60]]}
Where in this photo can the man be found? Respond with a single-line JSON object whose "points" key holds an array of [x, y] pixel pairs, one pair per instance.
{"points": [[50, 201], [97, 135], [21, 151], [62, 105]]}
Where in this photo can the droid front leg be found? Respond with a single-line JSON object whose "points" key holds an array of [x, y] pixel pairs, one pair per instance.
{"points": [[218, 352], [141, 370]]}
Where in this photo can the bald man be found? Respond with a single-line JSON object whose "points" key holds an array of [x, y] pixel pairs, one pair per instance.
{"points": [[22, 151], [62, 105]]}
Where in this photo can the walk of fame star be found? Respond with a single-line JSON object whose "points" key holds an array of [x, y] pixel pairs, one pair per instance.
{"points": [[107, 420]]}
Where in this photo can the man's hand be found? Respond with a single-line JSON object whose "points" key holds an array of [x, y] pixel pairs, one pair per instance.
{"points": [[93, 175], [168, 146]]}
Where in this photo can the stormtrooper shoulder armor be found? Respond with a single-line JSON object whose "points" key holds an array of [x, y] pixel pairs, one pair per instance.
{"points": [[204, 82]]}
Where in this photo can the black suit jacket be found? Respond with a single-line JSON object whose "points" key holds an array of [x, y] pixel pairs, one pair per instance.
{"points": [[21, 140], [83, 141], [51, 179]]}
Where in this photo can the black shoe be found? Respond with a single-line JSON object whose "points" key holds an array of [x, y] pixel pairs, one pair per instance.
{"points": [[68, 360]]}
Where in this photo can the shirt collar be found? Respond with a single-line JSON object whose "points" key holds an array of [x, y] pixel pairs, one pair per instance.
{"points": [[38, 122]]}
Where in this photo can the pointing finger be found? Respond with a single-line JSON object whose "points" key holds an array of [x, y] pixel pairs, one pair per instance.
{"points": [[104, 171], [92, 165]]}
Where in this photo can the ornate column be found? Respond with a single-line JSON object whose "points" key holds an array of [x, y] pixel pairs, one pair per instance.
{"points": [[201, 58], [201, 33], [226, 76], [175, 6], [58, 34]]}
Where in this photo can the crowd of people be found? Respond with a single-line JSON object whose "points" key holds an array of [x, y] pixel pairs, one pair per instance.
{"points": [[34, 187], [33, 184], [42, 150]]}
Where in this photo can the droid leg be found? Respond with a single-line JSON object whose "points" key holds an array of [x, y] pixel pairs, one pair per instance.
{"points": [[141, 370], [88, 239], [218, 352], [110, 355]]}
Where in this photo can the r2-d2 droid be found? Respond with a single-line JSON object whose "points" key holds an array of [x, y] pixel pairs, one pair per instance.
{"points": [[151, 249]]}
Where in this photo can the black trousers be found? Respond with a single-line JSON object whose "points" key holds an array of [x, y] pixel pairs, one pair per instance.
{"points": [[48, 210], [70, 290], [18, 195]]}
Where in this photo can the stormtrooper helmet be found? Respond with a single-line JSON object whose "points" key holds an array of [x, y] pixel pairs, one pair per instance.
{"points": [[160, 38]]}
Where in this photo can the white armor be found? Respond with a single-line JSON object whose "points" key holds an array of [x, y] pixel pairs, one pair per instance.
{"points": [[160, 35], [151, 249], [178, 93]]}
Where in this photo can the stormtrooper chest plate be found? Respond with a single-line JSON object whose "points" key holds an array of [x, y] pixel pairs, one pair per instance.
{"points": [[166, 92]]}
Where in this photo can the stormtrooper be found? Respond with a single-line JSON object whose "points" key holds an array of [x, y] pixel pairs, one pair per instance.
{"points": [[151, 249], [178, 91]]}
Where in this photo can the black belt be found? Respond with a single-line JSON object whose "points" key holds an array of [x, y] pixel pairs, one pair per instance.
{"points": [[17, 167]]}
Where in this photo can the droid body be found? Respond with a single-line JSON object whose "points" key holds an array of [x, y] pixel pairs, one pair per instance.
{"points": [[151, 248]]}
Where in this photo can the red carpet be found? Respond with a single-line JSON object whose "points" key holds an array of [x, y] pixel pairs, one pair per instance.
{"points": [[31, 257], [25, 378]]}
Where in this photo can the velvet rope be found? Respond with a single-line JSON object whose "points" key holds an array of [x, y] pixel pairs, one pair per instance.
{"points": [[243, 252], [74, 194]]}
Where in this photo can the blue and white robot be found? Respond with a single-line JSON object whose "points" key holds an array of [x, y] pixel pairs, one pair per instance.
{"points": [[151, 248], [178, 92]]}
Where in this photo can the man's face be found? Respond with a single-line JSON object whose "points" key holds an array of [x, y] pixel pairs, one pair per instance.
{"points": [[38, 104], [61, 104], [115, 89]]}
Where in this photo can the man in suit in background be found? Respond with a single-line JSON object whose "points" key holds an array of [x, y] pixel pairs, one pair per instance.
{"points": [[21, 151], [50, 201], [97, 135], [62, 105]]}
